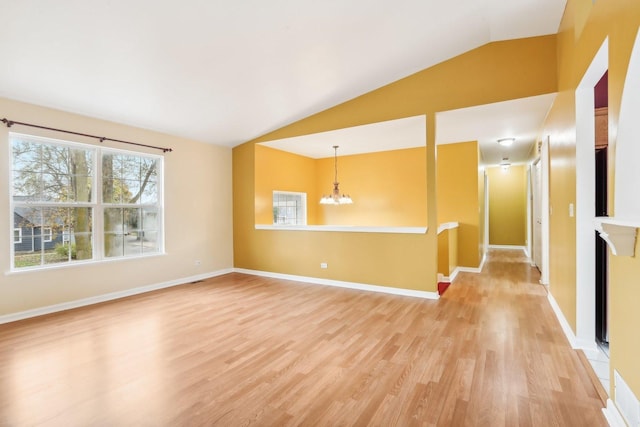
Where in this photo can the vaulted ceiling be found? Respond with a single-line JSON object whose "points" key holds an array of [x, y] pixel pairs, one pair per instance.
{"points": [[225, 72]]}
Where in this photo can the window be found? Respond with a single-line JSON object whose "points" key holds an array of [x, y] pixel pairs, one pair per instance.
{"points": [[17, 235], [47, 234], [289, 208], [131, 204], [82, 202]]}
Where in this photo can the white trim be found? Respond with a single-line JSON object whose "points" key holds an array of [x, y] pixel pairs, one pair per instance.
{"points": [[447, 226], [343, 228], [470, 269], [452, 277], [107, 297], [19, 230], [574, 341], [564, 324], [529, 246], [522, 248], [341, 284], [585, 194], [96, 204], [544, 273], [613, 416]]}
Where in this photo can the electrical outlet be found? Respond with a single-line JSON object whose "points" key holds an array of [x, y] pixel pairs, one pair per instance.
{"points": [[323, 265]]}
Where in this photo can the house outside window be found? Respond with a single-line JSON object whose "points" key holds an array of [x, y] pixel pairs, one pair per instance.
{"points": [[47, 234], [17, 235], [81, 203], [289, 208]]}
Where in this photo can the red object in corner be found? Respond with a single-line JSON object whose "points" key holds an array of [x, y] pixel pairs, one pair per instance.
{"points": [[442, 286]]}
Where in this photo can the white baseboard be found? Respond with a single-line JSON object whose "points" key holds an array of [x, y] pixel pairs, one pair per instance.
{"points": [[450, 278], [613, 416], [564, 324], [471, 269], [106, 297], [341, 284], [467, 270], [520, 248], [576, 343]]}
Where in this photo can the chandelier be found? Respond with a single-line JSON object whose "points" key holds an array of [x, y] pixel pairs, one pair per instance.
{"points": [[335, 198]]}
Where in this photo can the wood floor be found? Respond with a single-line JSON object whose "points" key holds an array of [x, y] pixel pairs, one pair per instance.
{"points": [[240, 350]]}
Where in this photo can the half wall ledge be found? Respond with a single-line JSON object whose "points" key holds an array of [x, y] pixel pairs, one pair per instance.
{"points": [[344, 228]]}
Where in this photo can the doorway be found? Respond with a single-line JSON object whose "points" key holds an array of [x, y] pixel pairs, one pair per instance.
{"points": [[585, 334], [536, 178], [601, 104]]}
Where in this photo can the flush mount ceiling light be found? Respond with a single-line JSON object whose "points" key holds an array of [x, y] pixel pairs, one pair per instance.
{"points": [[506, 142], [504, 164], [335, 198]]}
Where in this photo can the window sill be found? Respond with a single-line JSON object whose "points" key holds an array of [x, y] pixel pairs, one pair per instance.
{"points": [[344, 229], [50, 267]]}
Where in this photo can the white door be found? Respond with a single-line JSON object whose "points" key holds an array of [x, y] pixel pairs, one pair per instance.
{"points": [[537, 214]]}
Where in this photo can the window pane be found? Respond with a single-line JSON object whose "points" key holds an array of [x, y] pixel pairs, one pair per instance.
{"points": [[52, 235], [150, 242], [80, 226], [129, 179], [114, 232], [130, 190], [149, 193], [27, 186], [26, 155], [289, 208], [49, 172], [130, 231]]}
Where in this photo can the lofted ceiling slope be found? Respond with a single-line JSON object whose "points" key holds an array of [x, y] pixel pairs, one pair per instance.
{"points": [[225, 72]]}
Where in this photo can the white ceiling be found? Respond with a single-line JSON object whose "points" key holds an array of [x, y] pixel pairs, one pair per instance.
{"points": [[519, 118], [225, 72], [384, 136]]}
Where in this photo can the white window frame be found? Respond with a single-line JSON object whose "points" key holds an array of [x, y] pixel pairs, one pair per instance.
{"points": [[302, 199], [47, 234], [19, 240], [96, 204]]}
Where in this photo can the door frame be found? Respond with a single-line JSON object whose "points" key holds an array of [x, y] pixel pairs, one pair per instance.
{"points": [[585, 199]]}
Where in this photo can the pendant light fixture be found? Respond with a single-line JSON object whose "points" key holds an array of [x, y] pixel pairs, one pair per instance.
{"points": [[335, 198]]}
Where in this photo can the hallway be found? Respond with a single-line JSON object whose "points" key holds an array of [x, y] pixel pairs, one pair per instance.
{"points": [[531, 374], [247, 350]]}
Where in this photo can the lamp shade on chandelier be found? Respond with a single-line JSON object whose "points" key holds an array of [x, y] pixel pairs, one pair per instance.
{"points": [[335, 198]]}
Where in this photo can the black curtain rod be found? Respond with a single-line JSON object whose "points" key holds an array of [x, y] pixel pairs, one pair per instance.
{"points": [[10, 123]]}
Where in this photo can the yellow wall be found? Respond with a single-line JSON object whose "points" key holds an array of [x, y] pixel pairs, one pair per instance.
{"points": [[458, 198], [198, 217], [388, 188], [583, 29], [443, 253], [483, 211], [453, 250], [447, 251], [508, 205], [278, 170], [397, 260]]}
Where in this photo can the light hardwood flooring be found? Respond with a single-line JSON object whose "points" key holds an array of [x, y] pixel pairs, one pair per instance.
{"points": [[240, 350]]}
